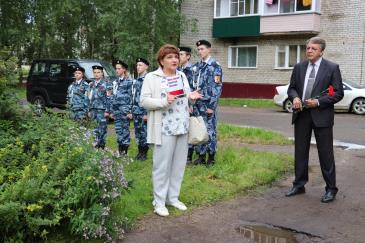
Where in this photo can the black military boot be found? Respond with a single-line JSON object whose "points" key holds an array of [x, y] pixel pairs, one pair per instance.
{"points": [[138, 157], [211, 160], [200, 160], [190, 156], [126, 146], [121, 149], [143, 156]]}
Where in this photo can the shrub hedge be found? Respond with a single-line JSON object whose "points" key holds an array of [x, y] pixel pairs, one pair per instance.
{"points": [[50, 176]]}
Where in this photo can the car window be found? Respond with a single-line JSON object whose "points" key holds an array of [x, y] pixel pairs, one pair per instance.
{"points": [[57, 70], [354, 85], [39, 68], [345, 87], [109, 69]]}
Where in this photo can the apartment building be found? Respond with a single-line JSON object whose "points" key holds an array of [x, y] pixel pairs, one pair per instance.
{"points": [[258, 42]]}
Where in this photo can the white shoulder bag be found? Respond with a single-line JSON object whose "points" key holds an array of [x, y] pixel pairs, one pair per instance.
{"points": [[198, 133]]}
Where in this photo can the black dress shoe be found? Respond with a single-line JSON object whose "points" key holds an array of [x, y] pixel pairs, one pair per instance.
{"points": [[328, 197], [295, 191]]}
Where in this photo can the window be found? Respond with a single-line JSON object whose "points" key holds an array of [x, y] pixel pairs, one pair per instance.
{"points": [[290, 6], [39, 68], [242, 56], [57, 70], [288, 56], [231, 8]]}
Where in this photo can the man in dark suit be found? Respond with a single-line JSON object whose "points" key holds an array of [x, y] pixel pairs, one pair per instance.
{"points": [[314, 110]]}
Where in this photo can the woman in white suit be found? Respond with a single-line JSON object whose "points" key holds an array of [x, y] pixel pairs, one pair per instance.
{"points": [[166, 95]]}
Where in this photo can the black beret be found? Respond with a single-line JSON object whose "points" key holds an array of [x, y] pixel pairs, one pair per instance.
{"points": [[81, 69], [125, 65], [185, 48], [142, 60], [97, 67], [203, 42]]}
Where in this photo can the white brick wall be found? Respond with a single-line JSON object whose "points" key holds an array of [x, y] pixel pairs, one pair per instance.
{"points": [[342, 26]]}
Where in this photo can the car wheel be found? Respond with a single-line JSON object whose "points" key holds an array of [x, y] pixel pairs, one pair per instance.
{"points": [[39, 104], [288, 106], [358, 106]]}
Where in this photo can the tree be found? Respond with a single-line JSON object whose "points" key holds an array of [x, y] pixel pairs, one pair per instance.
{"points": [[109, 30]]}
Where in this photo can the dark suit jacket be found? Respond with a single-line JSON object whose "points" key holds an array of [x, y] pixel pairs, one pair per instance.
{"points": [[328, 74]]}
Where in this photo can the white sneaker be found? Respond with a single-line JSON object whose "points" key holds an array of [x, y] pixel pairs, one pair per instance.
{"points": [[161, 210], [179, 205]]}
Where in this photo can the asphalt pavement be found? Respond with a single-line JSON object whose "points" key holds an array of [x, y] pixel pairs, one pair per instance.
{"points": [[348, 128]]}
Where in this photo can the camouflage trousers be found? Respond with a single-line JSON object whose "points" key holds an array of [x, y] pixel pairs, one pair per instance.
{"points": [[211, 146], [140, 129], [78, 115], [101, 129], [122, 128]]}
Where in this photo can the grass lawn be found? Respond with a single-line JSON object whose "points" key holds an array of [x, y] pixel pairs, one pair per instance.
{"points": [[228, 133], [246, 102], [237, 171]]}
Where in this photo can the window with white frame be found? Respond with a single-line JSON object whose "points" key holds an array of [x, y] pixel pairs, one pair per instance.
{"points": [[242, 56], [231, 8], [290, 6], [289, 55]]}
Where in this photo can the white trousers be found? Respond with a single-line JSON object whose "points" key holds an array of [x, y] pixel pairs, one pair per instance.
{"points": [[169, 161]]}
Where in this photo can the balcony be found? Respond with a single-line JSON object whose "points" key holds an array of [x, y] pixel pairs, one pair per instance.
{"points": [[286, 24], [246, 26]]}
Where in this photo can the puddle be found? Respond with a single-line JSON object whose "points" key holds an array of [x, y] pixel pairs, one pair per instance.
{"points": [[270, 234]]}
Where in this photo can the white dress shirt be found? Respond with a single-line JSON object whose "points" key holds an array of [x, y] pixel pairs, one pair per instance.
{"points": [[309, 69]]}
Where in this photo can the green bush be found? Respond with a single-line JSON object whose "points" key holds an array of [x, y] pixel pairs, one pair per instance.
{"points": [[51, 177], [8, 80]]}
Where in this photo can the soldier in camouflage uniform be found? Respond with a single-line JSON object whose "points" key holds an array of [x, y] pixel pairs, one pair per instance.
{"points": [[185, 66], [99, 93], [139, 113], [121, 106], [207, 74], [77, 100]]}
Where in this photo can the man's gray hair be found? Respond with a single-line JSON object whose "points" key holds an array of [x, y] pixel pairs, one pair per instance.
{"points": [[317, 40]]}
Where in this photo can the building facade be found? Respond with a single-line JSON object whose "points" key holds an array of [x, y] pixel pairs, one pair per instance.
{"points": [[258, 42]]}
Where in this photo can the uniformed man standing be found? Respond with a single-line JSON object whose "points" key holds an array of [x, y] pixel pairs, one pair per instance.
{"points": [[121, 106], [100, 93], [186, 67], [208, 75], [77, 101], [139, 113]]}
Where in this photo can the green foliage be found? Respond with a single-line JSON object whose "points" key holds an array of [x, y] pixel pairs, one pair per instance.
{"points": [[8, 78], [51, 177], [107, 30], [246, 102], [250, 135]]}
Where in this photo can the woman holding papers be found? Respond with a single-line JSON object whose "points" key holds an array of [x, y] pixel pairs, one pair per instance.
{"points": [[166, 95]]}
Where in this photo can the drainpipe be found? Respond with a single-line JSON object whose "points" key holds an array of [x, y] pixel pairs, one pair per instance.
{"points": [[362, 56]]}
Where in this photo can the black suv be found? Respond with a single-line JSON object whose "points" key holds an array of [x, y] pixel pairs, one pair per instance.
{"points": [[49, 79]]}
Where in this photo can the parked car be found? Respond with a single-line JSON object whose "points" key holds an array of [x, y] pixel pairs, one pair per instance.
{"points": [[48, 80], [353, 100]]}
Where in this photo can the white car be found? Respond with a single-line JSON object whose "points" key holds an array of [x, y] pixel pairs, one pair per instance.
{"points": [[353, 99]]}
